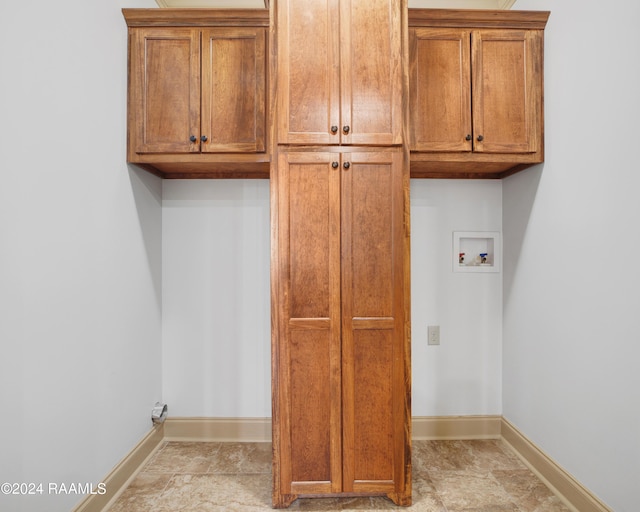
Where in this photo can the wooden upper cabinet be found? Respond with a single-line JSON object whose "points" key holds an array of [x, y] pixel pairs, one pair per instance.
{"points": [[199, 90], [197, 94], [476, 92], [493, 70], [340, 71]]}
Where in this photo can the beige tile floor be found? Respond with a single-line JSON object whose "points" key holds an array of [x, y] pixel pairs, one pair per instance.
{"points": [[448, 476]]}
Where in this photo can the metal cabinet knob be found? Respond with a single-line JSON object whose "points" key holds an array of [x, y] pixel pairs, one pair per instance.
{"points": [[468, 137], [334, 165], [480, 138], [193, 138], [346, 128], [334, 129], [346, 165], [204, 138]]}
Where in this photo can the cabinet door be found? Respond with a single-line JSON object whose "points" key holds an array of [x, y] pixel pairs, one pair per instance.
{"points": [[308, 72], [341, 354], [340, 72], [374, 376], [507, 90], [307, 400], [165, 90], [233, 90], [440, 85], [371, 66]]}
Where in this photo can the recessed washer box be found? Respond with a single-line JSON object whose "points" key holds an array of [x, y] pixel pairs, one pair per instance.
{"points": [[476, 251]]}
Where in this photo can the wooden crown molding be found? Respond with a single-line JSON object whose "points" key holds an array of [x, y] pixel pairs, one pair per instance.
{"points": [[478, 18], [196, 17], [213, 4]]}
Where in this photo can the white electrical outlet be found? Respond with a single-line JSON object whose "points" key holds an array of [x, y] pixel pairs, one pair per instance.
{"points": [[433, 331]]}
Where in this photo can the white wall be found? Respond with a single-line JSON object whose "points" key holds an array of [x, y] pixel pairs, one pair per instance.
{"points": [[571, 302], [461, 376], [216, 298], [216, 316], [80, 254]]}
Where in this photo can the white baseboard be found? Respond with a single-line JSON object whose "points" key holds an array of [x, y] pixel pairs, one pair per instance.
{"points": [[455, 427], [122, 475], [241, 430], [259, 429], [567, 488], [570, 491]]}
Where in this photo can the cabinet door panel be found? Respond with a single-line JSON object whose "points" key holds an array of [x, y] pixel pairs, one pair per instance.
{"points": [[440, 84], [308, 71], [310, 356], [373, 450], [166, 90], [371, 71], [308, 372], [233, 90], [373, 322], [504, 91]]}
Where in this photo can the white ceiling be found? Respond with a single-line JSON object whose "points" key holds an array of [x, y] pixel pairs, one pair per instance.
{"points": [[252, 4]]}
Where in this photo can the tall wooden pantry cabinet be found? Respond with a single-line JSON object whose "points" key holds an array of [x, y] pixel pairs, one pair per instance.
{"points": [[340, 252]]}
